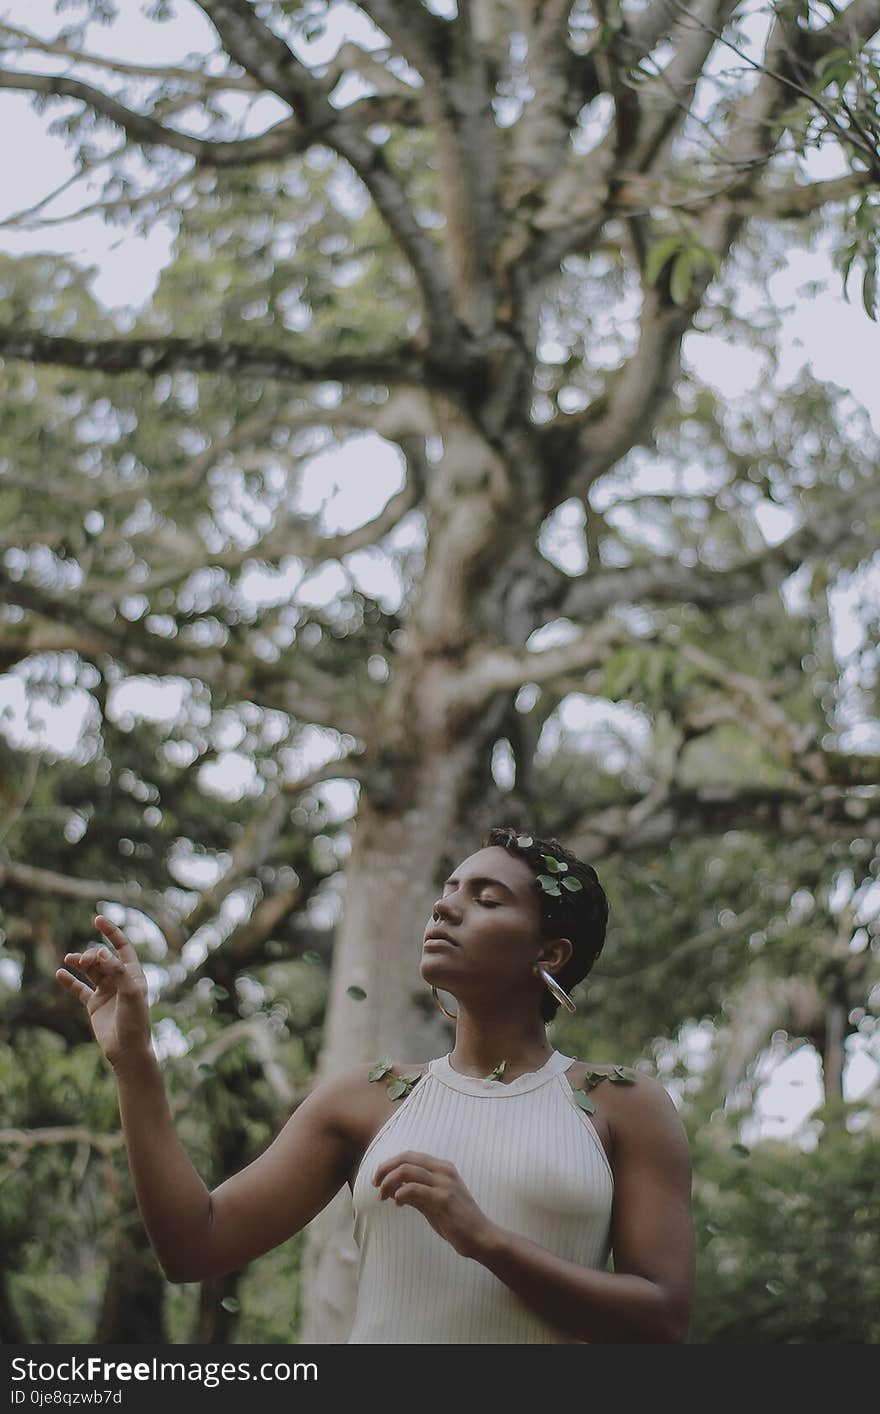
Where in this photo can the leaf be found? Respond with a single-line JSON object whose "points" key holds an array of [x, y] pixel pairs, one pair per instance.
{"points": [[869, 288], [832, 62], [595, 1077], [585, 1102], [554, 865], [381, 1069], [574, 886], [846, 268], [357, 994], [681, 276], [311, 957], [620, 1077], [229, 1303], [549, 885], [658, 256], [741, 1149], [207, 1070], [524, 841], [497, 1073], [397, 1088], [775, 1288]]}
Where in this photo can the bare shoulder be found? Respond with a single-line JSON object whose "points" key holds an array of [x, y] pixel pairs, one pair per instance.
{"points": [[646, 1123], [355, 1097], [634, 1106]]}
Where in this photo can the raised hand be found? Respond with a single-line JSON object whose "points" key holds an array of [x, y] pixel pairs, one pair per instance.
{"points": [[116, 1000]]}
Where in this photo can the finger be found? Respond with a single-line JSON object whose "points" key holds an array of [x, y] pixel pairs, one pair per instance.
{"points": [[406, 1156], [81, 990], [86, 961], [100, 965], [405, 1173], [116, 938], [416, 1195]]}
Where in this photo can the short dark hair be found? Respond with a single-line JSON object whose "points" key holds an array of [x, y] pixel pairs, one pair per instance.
{"points": [[581, 916]]}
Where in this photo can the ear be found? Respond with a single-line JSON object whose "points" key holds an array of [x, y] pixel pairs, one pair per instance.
{"points": [[555, 954]]}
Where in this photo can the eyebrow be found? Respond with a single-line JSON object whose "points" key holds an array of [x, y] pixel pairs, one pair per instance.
{"points": [[484, 879]]}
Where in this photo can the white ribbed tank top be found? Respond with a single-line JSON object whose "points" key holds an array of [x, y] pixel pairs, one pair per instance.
{"points": [[532, 1161]]}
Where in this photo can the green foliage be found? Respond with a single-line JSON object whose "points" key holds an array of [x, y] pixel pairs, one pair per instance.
{"points": [[788, 1243], [864, 247], [681, 257]]}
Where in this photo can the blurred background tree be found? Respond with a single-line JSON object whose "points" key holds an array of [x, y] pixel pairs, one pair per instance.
{"points": [[470, 246]]}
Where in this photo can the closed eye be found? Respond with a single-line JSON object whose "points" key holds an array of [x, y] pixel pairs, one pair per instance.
{"points": [[487, 903]]}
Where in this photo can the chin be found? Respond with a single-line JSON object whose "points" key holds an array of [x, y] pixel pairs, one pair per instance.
{"points": [[433, 972]]}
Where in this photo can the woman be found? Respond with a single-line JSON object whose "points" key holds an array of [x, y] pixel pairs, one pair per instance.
{"points": [[486, 1198]]}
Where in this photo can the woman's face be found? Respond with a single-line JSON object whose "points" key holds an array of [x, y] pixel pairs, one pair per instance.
{"points": [[489, 916]]}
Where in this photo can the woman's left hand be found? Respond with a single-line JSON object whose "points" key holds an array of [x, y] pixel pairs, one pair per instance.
{"points": [[434, 1186]]}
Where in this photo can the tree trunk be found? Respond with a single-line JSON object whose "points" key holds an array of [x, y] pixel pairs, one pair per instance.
{"points": [[390, 879], [834, 1059], [213, 1322], [131, 1311]]}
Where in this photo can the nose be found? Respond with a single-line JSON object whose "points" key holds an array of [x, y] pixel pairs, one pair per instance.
{"points": [[441, 910]]}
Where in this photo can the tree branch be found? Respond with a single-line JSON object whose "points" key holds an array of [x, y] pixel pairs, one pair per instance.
{"points": [[281, 140], [844, 523], [260, 52], [43, 881], [782, 812], [490, 670], [169, 72], [322, 700], [404, 364], [61, 1134], [639, 195]]}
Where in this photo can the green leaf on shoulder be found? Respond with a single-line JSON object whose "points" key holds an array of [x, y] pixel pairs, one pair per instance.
{"points": [[381, 1069], [593, 1077], [617, 1074], [401, 1085], [585, 1102]]}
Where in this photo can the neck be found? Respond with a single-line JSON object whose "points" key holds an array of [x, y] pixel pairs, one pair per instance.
{"points": [[482, 1042]]}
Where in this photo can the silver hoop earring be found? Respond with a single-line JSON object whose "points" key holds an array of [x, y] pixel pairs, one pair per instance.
{"points": [[453, 1016], [557, 991]]}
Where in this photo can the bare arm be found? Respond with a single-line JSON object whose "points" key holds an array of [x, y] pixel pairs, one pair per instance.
{"points": [[196, 1234], [648, 1296]]}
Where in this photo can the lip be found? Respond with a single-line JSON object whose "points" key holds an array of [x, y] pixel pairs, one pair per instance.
{"points": [[439, 938]]}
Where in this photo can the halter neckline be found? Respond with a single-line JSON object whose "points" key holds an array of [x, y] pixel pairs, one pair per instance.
{"points": [[444, 1070]]}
